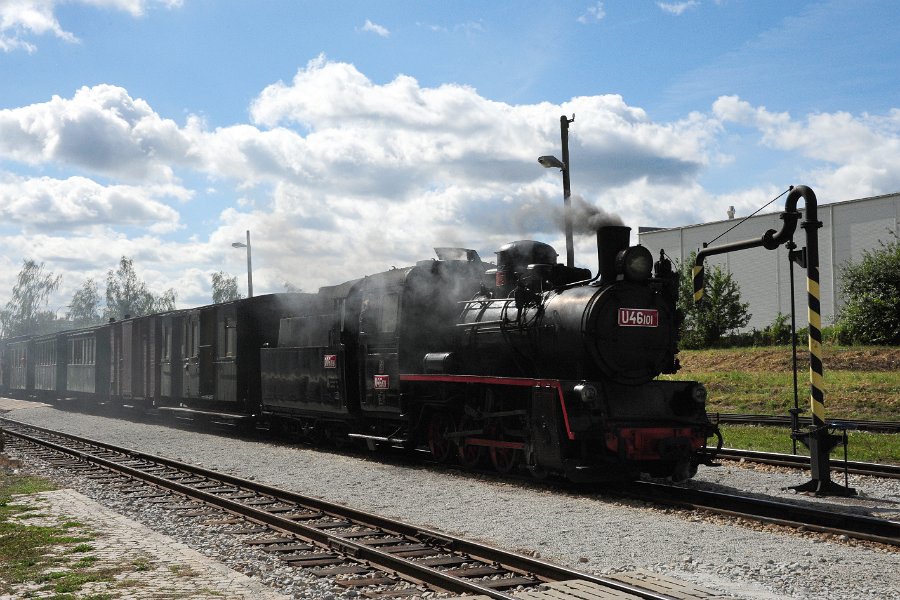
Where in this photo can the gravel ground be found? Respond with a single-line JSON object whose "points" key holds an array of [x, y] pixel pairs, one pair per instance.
{"points": [[584, 531]]}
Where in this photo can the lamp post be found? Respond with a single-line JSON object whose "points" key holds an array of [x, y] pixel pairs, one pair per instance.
{"points": [[249, 265], [563, 165]]}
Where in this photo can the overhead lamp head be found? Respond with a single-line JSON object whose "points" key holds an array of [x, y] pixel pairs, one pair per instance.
{"points": [[238, 245], [551, 161]]}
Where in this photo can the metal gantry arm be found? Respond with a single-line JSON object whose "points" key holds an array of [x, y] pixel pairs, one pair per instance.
{"points": [[817, 438]]}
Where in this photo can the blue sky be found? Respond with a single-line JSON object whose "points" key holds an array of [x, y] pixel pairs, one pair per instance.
{"points": [[352, 136]]}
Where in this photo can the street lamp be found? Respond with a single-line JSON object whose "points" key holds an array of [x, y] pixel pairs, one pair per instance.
{"points": [[249, 267], [551, 162]]}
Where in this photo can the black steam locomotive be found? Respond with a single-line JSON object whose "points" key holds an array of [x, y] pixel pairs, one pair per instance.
{"points": [[524, 364]]}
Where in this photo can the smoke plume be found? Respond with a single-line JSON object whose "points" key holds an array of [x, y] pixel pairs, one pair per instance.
{"points": [[587, 218]]}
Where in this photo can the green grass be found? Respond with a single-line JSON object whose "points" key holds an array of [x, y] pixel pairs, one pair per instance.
{"points": [[43, 554], [861, 445], [848, 394], [22, 484], [861, 382]]}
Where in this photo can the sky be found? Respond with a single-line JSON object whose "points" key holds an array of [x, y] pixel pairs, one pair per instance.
{"points": [[352, 136]]}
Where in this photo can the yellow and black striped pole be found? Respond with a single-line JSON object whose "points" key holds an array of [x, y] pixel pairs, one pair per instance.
{"points": [[697, 273], [816, 371], [817, 439], [811, 224]]}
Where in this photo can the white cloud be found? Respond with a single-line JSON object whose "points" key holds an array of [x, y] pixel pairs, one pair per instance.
{"points": [[375, 28], [466, 28], [856, 156], [101, 130], [593, 14], [677, 8], [92, 253], [79, 203], [23, 19]]}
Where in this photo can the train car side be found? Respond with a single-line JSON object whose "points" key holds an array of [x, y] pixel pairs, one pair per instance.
{"points": [[88, 364], [218, 347], [309, 379]]}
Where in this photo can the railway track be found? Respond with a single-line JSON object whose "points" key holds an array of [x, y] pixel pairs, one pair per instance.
{"points": [[785, 421], [796, 461], [824, 520], [377, 556]]}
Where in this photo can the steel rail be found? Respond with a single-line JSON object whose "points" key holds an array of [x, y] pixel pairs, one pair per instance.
{"points": [[797, 461], [825, 520], [442, 542], [785, 420]]}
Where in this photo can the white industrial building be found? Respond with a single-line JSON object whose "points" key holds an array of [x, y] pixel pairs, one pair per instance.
{"points": [[847, 229]]}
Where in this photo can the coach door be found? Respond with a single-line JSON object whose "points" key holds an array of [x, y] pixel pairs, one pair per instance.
{"points": [[126, 360], [197, 349], [225, 360], [171, 366]]}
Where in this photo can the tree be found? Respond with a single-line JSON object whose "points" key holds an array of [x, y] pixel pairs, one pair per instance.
{"points": [[224, 288], [126, 295], [871, 289], [291, 288], [84, 308], [23, 313], [721, 311]]}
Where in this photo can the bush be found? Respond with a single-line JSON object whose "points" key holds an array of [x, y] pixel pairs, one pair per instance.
{"points": [[871, 290], [776, 334], [721, 313]]}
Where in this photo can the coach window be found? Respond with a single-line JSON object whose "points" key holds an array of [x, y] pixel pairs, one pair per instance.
{"points": [[390, 307], [230, 338], [191, 335], [195, 337], [166, 340], [78, 352]]}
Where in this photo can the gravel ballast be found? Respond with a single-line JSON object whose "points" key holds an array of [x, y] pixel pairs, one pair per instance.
{"points": [[587, 532]]}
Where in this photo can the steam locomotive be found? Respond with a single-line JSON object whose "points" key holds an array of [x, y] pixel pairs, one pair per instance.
{"points": [[522, 364]]}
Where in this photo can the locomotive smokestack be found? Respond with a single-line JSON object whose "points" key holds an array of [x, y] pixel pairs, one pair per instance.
{"points": [[611, 239]]}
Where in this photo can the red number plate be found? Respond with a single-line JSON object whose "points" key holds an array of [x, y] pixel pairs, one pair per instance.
{"points": [[638, 317], [382, 382], [331, 361]]}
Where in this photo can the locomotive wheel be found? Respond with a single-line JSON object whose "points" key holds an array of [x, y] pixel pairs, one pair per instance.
{"points": [[442, 447], [470, 456], [504, 459]]}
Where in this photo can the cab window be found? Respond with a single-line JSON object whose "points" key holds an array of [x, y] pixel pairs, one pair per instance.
{"points": [[389, 311]]}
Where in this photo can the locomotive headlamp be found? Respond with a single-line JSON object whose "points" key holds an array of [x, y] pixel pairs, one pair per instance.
{"points": [[698, 393], [588, 393], [635, 263]]}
